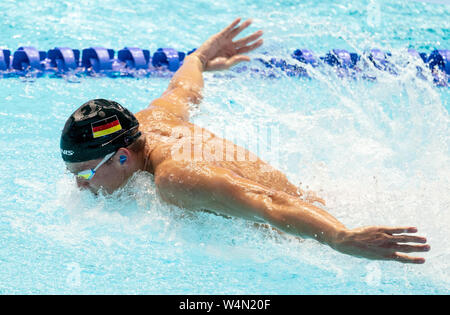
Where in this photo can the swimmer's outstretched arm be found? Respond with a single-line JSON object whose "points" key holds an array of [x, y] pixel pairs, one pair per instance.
{"points": [[219, 52], [202, 186]]}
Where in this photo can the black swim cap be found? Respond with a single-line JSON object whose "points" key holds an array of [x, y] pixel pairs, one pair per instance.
{"points": [[97, 128]]}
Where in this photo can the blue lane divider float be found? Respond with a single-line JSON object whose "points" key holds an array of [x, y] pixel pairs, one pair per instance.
{"points": [[341, 58], [64, 59], [440, 59], [4, 59], [168, 57], [27, 59], [134, 57], [98, 59], [305, 56], [134, 61]]}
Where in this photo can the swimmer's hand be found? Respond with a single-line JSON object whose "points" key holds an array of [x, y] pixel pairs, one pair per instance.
{"points": [[382, 243], [220, 52]]}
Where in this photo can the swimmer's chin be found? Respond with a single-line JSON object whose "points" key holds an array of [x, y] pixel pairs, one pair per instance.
{"points": [[105, 192]]}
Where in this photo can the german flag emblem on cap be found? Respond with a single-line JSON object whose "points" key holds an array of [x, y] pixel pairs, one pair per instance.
{"points": [[106, 126]]}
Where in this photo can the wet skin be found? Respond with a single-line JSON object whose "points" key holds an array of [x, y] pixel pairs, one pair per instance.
{"points": [[197, 170]]}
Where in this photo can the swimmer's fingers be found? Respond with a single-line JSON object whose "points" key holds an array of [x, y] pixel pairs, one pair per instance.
{"points": [[247, 40], [407, 259], [235, 32], [237, 59], [408, 239], [403, 248], [410, 248], [251, 47], [394, 231], [397, 230], [227, 30], [222, 63]]}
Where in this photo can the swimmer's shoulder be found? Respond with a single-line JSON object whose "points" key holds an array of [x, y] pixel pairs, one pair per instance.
{"points": [[154, 113]]}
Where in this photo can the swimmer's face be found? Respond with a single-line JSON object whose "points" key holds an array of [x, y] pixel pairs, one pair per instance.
{"points": [[109, 176]]}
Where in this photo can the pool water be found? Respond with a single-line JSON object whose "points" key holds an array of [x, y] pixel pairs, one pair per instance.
{"points": [[378, 152]]}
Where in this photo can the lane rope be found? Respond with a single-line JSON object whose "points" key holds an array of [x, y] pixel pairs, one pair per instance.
{"points": [[28, 61]]}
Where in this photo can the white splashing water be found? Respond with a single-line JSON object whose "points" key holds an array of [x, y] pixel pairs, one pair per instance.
{"points": [[378, 152]]}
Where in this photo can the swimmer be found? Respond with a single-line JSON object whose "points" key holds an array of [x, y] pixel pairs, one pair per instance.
{"points": [[103, 145]]}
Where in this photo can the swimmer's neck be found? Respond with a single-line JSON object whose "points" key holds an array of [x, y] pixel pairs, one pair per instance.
{"points": [[144, 156]]}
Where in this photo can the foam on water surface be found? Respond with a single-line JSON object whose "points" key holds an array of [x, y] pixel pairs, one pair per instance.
{"points": [[378, 152]]}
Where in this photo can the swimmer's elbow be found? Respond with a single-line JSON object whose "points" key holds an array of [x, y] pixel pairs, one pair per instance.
{"points": [[189, 93], [252, 200]]}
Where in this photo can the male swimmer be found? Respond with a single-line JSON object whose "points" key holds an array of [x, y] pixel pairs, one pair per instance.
{"points": [[103, 144]]}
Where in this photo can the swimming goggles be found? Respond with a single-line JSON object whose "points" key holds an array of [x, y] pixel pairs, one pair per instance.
{"points": [[88, 174]]}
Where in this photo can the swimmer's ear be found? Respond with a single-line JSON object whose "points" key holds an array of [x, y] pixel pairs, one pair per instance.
{"points": [[123, 155]]}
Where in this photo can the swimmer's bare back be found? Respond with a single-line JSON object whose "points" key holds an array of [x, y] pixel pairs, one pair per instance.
{"points": [[197, 170], [177, 140]]}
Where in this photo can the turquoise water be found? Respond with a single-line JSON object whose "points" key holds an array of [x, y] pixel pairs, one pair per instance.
{"points": [[378, 152]]}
